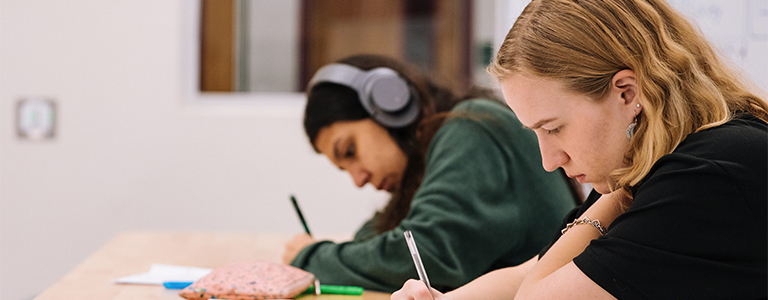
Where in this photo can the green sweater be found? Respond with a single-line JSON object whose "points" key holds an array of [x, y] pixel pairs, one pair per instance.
{"points": [[485, 203]]}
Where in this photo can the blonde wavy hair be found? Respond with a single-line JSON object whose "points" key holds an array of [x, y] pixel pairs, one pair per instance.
{"points": [[684, 86]]}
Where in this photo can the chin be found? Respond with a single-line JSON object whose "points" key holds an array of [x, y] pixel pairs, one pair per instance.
{"points": [[601, 188]]}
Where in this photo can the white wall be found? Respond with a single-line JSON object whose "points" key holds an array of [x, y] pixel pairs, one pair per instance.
{"points": [[739, 28], [131, 152], [273, 43]]}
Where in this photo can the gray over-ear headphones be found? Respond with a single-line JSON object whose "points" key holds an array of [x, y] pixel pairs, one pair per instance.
{"points": [[384, 94]]}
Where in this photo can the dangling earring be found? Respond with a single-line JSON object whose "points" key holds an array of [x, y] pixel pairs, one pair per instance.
{"points": [[631, 127]]}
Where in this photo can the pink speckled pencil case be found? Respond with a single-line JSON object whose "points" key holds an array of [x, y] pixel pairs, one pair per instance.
{"points": [[250, 280]]}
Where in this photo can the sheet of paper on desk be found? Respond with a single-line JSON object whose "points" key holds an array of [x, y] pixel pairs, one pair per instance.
{"points": [[159, 273]]}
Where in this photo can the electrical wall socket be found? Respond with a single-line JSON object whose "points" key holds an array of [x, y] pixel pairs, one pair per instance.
{"points": [[36, 118]]}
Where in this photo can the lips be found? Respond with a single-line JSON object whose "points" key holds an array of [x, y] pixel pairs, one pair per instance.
{"points": [[382, 185], [580, 178], [385, 186]]}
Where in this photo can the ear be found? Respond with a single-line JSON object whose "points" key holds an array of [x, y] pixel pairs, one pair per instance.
{"points": [[624, 84]]}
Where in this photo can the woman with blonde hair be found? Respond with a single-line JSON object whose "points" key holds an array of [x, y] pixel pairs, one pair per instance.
{"points": [[629, 96]]}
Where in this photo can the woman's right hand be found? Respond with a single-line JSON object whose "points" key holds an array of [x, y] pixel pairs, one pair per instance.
{"points": [[295, 245], [500, 284], [416, 290]]}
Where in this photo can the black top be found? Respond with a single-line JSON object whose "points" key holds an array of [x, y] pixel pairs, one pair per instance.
{"points": [[697, 226]]}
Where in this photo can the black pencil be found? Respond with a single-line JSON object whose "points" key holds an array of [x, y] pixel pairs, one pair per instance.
{"points": [[301, 217]]}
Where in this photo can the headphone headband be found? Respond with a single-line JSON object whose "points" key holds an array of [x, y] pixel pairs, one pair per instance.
{"points": [[383, 93]]}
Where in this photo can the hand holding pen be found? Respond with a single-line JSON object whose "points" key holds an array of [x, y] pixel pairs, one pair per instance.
{"points": [[417, 261], [414, 290]]}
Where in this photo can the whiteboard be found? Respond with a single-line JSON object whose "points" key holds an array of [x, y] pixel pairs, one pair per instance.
{"points": [[739, 28]]}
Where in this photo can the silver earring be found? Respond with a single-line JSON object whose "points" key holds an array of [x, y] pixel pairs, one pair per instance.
{"points": [[631, 129]]}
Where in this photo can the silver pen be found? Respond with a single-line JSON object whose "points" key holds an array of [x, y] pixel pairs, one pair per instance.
{"points": [[417, 261]]}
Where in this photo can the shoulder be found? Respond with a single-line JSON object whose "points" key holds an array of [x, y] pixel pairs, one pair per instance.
{"points": [[478, 120], [483, 106], [482, 129], [482, 114], [724, 168], [738, 146], [744, 137], [734, 149]]}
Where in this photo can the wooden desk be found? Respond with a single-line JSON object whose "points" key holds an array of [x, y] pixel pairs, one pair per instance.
{"points": [[134, 252]]}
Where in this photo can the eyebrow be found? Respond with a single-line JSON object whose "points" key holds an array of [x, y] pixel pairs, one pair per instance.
{"points": [[540, 123]]}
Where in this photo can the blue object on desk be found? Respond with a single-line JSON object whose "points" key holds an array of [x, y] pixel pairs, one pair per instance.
{"points": [[176, 285]]}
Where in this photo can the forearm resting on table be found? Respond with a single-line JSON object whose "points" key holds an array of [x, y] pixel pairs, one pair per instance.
{"points": [[498, 284], [549, 274]]}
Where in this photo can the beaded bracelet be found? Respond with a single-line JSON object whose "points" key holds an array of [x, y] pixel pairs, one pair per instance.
{"points": [[585, 220]]}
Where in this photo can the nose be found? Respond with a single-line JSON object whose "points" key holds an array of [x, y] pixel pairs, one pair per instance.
{"points": [[359, 175], [552, 157]]}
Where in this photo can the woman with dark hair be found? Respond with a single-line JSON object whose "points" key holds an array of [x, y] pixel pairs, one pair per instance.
{"points": [[463, 173]]}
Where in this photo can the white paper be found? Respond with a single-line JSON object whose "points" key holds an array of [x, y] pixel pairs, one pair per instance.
{"points": [[159, 273]]}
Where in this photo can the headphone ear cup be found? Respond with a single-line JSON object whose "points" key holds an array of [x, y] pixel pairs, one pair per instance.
{"points": [[383, 93], [389, 94], [389, 98]]}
